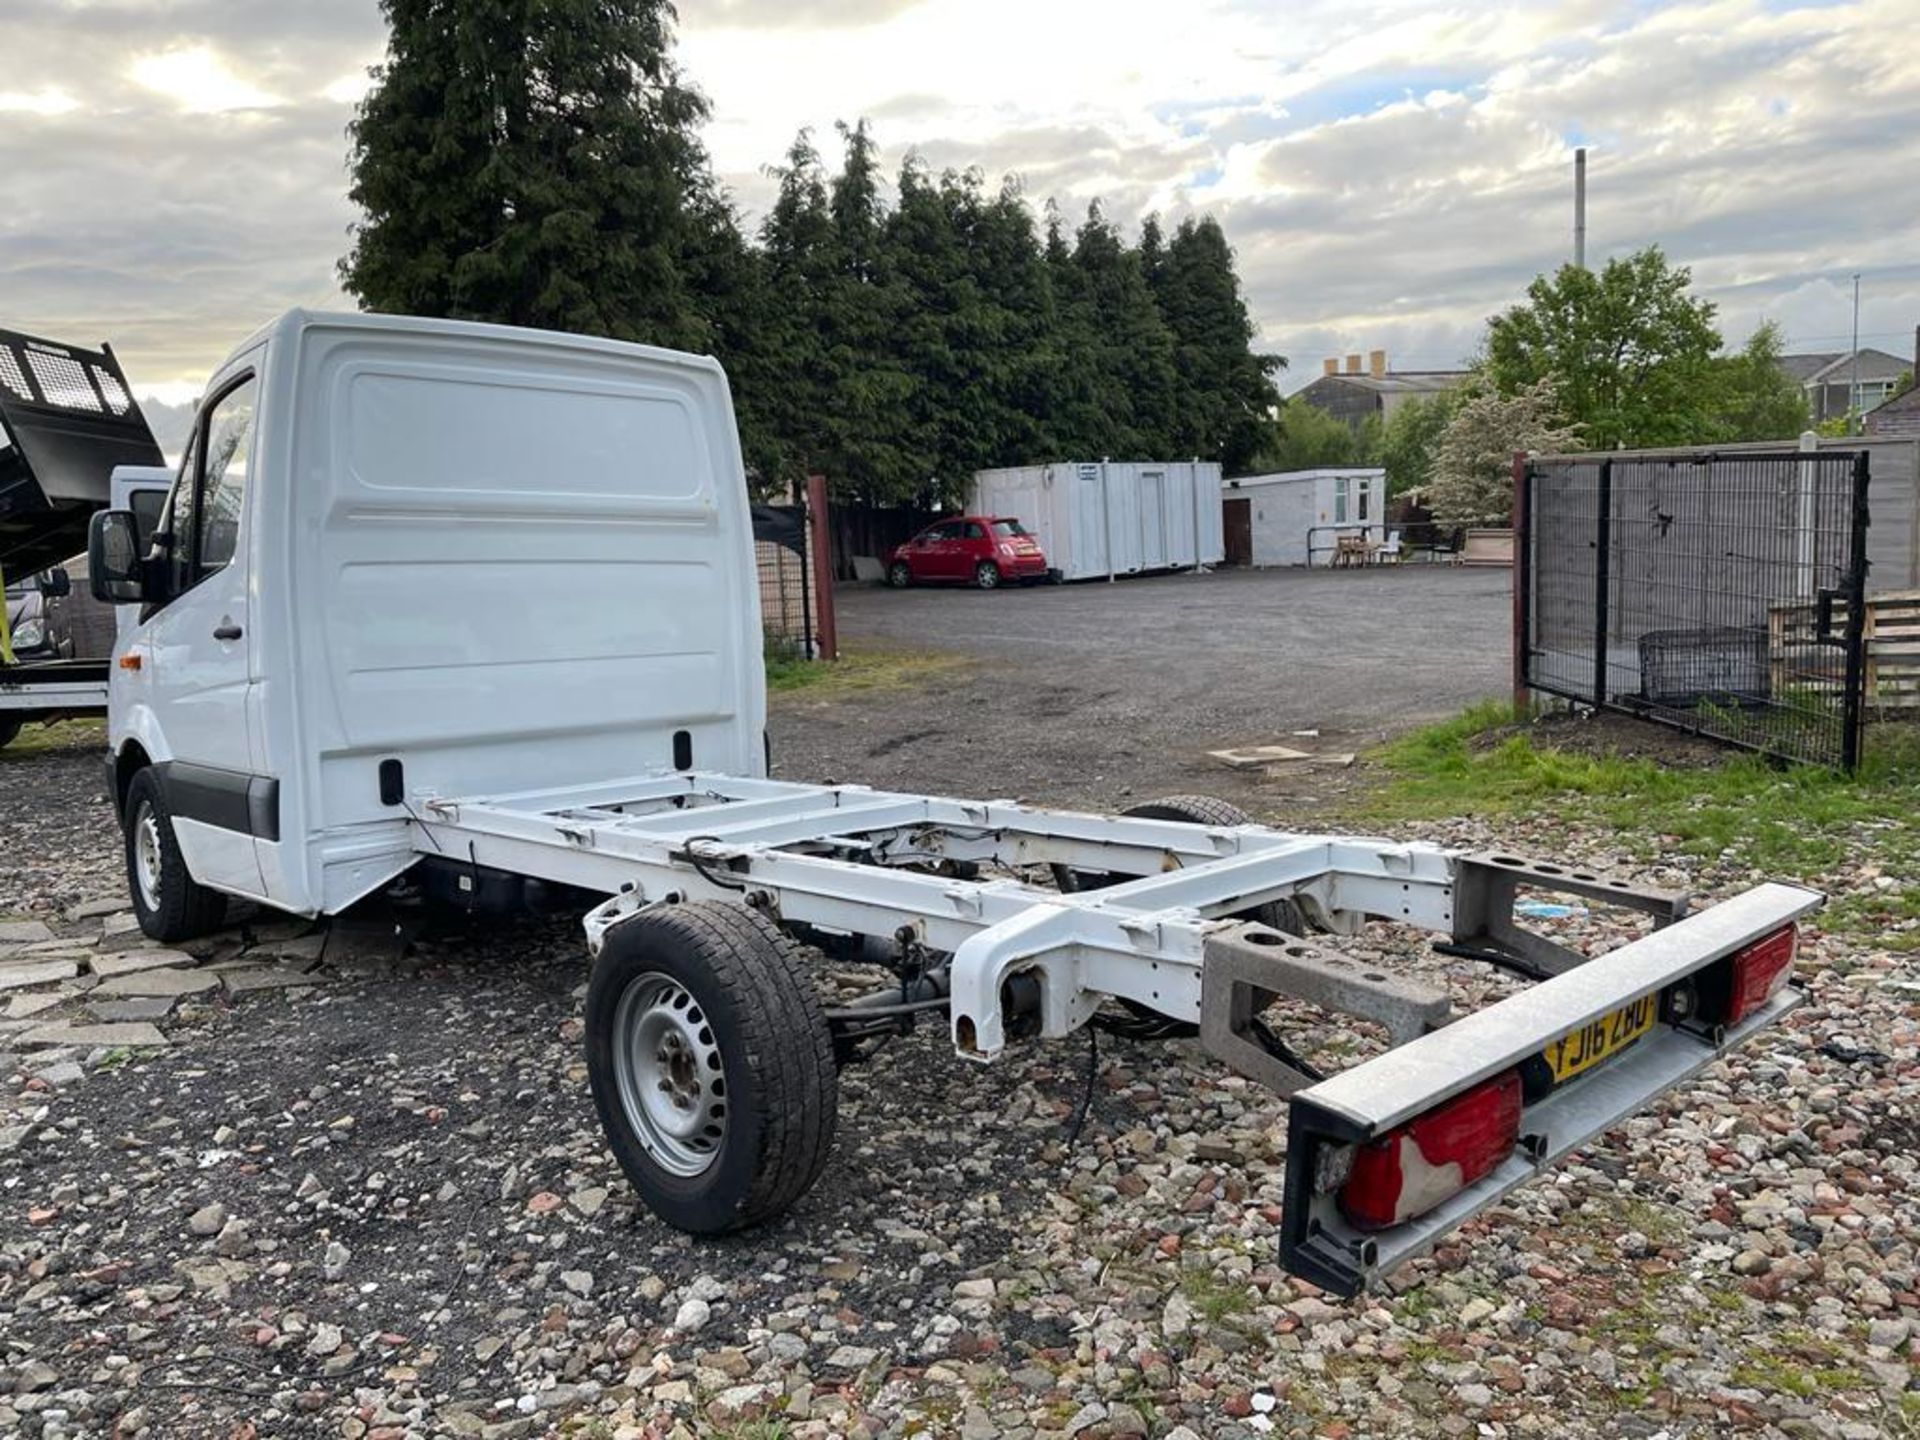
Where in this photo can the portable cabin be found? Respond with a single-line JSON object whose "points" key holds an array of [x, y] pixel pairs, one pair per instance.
{"points": [[1107, 518], [1296, 517]]}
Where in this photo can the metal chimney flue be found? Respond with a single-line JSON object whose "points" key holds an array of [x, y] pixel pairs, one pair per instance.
{"points": [[1580, 207]]}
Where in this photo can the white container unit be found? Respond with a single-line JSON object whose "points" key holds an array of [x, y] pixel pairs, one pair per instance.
{"points": [[1295, 517], [1100, 519]]}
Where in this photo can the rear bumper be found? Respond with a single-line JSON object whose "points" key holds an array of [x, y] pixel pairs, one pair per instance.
{"points": [[1371, 1099]]}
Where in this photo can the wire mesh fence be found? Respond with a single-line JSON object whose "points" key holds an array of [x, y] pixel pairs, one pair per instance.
{"points": [[781, 565], [1722, 594]]}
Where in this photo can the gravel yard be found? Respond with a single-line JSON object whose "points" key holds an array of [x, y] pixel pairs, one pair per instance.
{"points": [[360, 1190], [1089, 694]]}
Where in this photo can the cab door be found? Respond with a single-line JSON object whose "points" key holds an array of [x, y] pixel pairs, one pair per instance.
{"points": [[196, 645]]}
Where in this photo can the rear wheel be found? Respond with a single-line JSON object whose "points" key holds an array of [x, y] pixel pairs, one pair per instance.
{"points": [[167, 901], [711, 1065], [899, 575], [9, 728], [986, 575]]}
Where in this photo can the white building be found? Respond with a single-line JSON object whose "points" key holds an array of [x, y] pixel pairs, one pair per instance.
{"points": [[1295, 517], [1101, 519]]}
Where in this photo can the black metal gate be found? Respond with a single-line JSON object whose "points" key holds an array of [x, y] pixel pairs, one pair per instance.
{"points": [[1720, 593]]}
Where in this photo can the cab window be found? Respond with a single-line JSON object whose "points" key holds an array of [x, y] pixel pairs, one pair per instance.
{"points": [[202, 523]]}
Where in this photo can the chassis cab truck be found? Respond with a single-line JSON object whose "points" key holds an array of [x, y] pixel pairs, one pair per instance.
{"points": [[478, 603]]}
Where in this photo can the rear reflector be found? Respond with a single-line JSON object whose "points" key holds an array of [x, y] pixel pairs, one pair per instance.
{"points": [[1414, 1167], [1740, 984]]}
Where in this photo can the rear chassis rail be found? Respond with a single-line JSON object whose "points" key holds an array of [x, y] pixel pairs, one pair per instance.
{"points": [[1014, 956]]}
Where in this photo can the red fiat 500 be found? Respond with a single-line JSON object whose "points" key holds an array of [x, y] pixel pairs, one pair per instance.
{"points": [[977, 550]]}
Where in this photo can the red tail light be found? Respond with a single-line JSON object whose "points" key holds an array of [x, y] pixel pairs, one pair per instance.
{"points": [[1740, 984], [1412, 1168]]}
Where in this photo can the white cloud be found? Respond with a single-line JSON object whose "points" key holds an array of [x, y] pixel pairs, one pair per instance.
{"points": [[200, 82], [349, 89], [1390, 172], [47, 100]]}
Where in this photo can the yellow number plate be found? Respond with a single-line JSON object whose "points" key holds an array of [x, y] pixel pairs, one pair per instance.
{"points": [[1582, 1049]]}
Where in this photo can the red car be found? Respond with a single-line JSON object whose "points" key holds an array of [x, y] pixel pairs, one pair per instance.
{"points": [[980, 550]]}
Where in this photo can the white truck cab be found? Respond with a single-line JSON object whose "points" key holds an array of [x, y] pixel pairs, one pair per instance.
{"points": [[480, 603], [452, 550]]}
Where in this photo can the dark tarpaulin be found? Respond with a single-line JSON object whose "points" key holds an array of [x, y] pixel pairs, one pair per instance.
{"points": [[783, 525]]}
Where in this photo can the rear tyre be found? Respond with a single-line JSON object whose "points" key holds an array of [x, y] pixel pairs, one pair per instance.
{"points": [[1140, 1021], [986, 575], [1207, 810], [711, 1065], [167, 901], [9, 728], [899, 575]]}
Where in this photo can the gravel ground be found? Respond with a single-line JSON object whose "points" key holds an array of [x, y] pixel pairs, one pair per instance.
{"points": [[360, 1191]]}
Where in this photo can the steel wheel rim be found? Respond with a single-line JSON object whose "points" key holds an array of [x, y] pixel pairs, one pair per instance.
{"points": [[989, 577], [146, 856], [667, 1066]]}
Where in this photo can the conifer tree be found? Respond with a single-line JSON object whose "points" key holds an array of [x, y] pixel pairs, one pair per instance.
{"points": [[531, 162]]}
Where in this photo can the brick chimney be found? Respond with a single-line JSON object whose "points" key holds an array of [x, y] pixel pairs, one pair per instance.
{"points": [[1331, 365], [1353, 364], [1377, 364]]}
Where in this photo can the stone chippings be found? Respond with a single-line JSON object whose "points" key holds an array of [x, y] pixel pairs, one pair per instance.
{"points": [[376, 1203]]}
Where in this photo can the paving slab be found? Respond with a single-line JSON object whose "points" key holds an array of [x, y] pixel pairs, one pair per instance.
{"points": [[128, 962], [111, 1036], [164, 981], [97, 909], [121, 931], [143, 1007], [37, 972], [23, 932], [22, 1007], [264, 977]]}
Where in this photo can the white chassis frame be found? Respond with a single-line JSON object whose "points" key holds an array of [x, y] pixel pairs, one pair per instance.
{"points": [[794, 846], [831, 857]]}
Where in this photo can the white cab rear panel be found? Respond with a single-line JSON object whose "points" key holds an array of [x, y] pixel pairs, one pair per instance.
{"points": [[517, 560]]}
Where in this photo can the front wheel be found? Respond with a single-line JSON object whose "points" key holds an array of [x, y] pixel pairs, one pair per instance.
{"points": [[711, 1065], [899, 575], [9, 728], [167, 901], [986, 575]]}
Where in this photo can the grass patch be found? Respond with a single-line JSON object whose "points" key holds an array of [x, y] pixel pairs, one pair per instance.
{"points": [[1789, 819], [81, 734], [855, 673], [1212, 1299]]}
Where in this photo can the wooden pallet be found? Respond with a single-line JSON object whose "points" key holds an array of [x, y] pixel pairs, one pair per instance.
{"points": [[1890, 631]]}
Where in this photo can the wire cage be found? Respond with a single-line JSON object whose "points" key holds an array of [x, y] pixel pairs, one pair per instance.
{"points": [[1722, 594]]}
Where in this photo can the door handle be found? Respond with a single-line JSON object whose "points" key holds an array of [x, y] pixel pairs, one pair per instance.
{"points": [[227, 630]]}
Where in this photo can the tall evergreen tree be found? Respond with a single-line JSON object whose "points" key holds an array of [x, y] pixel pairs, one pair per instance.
{"points": [[799, 275], [1226, 395], [529, 161], [1131, 349]]}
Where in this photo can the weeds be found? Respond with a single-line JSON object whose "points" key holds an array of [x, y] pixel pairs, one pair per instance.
{"points": [[1791, 820], [788, 670]]}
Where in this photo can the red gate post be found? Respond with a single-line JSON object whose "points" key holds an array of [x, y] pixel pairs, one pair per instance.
{"points": [[822, 567], [1521, 580]]}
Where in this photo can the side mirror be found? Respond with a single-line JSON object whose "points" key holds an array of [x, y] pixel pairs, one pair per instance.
{"points": [[56, 584], [113, 559]]}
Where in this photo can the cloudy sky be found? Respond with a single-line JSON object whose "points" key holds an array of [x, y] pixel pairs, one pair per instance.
{"points": [[1390, 172]]}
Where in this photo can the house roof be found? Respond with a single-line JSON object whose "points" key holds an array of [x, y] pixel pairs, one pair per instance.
{"points": [[1829, 368], [1898, 416], [1402, 382]]}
